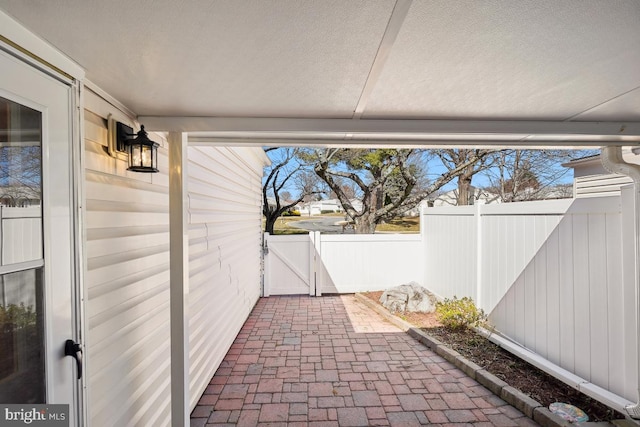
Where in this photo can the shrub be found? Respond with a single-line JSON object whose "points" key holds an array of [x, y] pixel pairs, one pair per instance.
{"points": [[459, 313], [291, 213], [14, 317]]}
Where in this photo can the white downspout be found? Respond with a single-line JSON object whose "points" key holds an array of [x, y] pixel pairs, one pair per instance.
{"points": [[613, 162]]}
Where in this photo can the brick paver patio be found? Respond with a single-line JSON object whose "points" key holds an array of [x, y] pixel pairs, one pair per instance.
{"points": [[332, 361]]}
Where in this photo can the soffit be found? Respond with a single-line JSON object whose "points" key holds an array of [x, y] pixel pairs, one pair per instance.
{"points": [[218, 58], [520, 59], [531, 60]]}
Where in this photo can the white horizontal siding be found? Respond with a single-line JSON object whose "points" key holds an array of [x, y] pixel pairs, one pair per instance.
{"points": [[127, 278], [127, 281], [224, 253], [600, 185]]}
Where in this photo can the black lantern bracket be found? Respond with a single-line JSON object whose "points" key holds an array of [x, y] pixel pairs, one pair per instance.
{"points": [[114, 147], [137, 149]]}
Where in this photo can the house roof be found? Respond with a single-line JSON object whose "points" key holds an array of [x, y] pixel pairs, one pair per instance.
{"points": [[582, 160], [532, 72]]}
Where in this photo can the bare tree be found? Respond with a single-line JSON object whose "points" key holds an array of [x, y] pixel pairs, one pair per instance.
{"points": [[285, 170], [388, 180], [475, 161], [20, 175], [309, 185], [520, 175]]}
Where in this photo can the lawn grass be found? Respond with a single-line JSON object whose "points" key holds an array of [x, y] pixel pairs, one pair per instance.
{"points": [[282, 225], [396, 225], [400, 225]]}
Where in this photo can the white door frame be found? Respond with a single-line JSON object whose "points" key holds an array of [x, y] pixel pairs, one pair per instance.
{"points": [[69, 217]]}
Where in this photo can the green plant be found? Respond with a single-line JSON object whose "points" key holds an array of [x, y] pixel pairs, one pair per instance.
{"points": [[17, 316], [459, 313]]}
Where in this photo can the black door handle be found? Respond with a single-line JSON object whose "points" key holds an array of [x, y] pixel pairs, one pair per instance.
{"points": [[72, 348]]}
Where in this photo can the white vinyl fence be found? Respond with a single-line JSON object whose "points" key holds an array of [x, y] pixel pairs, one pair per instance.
{"points": [[20, 241], [20, 234], [478, 251], [551, 276], [317, 264]]}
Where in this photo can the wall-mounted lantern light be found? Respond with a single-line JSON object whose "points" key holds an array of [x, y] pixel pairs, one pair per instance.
{"points": [[142, 153]]}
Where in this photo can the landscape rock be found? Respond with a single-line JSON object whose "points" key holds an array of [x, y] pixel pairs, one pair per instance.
{"points": [[409, 297]]}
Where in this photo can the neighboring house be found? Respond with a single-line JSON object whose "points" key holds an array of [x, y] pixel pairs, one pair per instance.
{"points": [[486, 197], [332, 205], [20, 173], [591, 179], [560, 191], [18, 196], [320, 206], [450, 198], [357, 204]]}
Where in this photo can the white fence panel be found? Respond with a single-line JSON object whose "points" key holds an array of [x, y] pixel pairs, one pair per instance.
{"points": [[557, 283], [289, 265], [568, 305], [450, 239], [478, 251], [625, 325], [510, 235], [326, 263], [369, 262], [20, 234]]}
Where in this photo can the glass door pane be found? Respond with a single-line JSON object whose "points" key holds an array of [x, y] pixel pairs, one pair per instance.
{"points": [[21, 326], [22, 367]]}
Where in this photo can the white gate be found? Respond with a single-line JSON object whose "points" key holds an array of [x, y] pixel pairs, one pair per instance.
{"points": [[290, 265], [317, 264]]}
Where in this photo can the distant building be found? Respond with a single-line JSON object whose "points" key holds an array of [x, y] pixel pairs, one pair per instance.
{"points": [[450, 198], [319, 206], [591, 179]]}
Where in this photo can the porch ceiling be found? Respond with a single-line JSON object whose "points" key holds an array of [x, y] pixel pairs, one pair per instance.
{"points": [[312, 62]]}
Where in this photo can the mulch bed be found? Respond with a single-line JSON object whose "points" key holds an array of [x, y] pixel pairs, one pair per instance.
{"points": [[539, 385], [516, 372]]}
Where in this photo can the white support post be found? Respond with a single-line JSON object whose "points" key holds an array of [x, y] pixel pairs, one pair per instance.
{"points": [[317, 262], [179, 276], [423, 233], [479, 300], [266, 276]]}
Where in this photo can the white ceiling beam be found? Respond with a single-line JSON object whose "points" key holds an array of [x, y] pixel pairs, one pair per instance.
{"points": [[390, 127], [389, 143]]}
